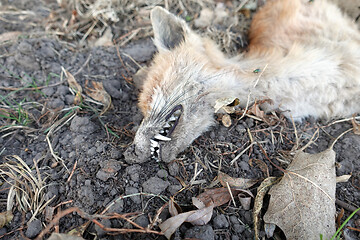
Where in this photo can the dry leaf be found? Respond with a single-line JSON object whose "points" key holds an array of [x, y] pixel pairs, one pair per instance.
{"points": [[261, 164], [63, 236], [258, 203], [236, 183], [9, 36], [5, 218], [105, 39], [255, 109], [224, 102], [226, 120], [302, 204], [49, 213], [201, 216], [216, 196], [245, 202], [73, 84], [174, 208], [205, 203], [356, 126], [343, 178], [98, 93]]}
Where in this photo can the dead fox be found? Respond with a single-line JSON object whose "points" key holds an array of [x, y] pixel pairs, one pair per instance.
{"points": [[308, 52]]}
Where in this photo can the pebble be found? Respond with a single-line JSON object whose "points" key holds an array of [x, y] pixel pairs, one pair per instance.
{"points": [[100, 232], [220, 221], [162, 174], [200, 232], [33, 228], [142, 220], [174, 169], [131, 190], [155, 185], [82, 125], [134, 172]]}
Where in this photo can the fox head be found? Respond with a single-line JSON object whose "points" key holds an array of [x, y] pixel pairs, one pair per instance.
{"points": [[175, 96]]}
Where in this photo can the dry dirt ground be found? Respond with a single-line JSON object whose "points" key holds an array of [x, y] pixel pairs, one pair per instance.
{"points": [[58, 151]]}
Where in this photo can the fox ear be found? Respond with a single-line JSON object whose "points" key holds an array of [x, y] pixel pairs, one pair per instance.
{"points": [[169, 30]]}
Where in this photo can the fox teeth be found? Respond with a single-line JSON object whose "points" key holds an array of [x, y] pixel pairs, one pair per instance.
{"points": [[177, 113], [162, 137], [154, 143], [172, 119], [167, 125]]}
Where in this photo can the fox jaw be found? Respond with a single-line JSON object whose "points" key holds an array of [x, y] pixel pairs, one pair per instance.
{"points": [[174, 101]]}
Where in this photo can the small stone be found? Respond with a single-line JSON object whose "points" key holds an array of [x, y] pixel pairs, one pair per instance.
{"points": [[103, 176], [155, 185], [117, 207], [243, 165], [200, 232], [134, 172], [173, 189], [162, 174], [142, 220], [220, 221], [25, 47], [100, 232], [33, 228], [49, 91], [238, 228], [115, 153], [56, 103], [173, 169], [131, 190], [82, 125]]}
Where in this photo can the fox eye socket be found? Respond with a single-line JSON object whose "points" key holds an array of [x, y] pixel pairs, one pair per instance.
{"points": [[171, 121]]}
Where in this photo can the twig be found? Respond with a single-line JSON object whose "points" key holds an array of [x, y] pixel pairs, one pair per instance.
{"points": [[230, 192], [72, 172], [342, 134], [347, 206]]}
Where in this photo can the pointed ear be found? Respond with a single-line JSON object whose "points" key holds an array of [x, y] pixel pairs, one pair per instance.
{"points": [[169, 30]]}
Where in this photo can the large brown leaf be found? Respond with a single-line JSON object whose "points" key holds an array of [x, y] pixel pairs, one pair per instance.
{"points": [[302, 204]]}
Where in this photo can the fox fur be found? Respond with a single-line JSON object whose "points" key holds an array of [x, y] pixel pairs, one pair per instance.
{"points": [[308, 53]]}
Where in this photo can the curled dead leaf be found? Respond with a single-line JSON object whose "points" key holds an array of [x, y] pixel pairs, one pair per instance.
{"points": [[174, 208], [5, 218], [196, 217], [205, 203], [356, 126], [236, 183], [261, 192], [343, 178], [261, 164], [228, 102], [98, 93], [73, 84]]}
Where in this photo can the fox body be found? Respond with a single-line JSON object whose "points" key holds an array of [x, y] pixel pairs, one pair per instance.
{"points": [[308, 53]]}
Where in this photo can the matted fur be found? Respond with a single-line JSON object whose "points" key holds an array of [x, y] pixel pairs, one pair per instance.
{"points": [[308, 52]]}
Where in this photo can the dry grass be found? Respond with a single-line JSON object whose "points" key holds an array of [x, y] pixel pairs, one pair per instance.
{"points": [[87, 20], [27, 186]]}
